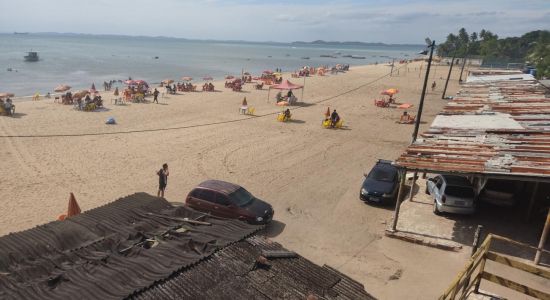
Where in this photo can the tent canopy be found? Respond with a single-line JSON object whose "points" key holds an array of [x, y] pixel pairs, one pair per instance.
{"points": [[286, 85]]}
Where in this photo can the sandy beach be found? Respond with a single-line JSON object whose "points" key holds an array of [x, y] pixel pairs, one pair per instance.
{"points": [[310, 175]]}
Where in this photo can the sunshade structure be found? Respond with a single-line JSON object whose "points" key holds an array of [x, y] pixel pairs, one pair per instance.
{"points": [[229, 77], [62, 88], [4, 95], [187, 78], [137, 83], [168, 81], [286, 85], [390, 92]]}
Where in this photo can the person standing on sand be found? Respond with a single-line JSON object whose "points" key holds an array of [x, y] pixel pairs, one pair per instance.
{"points": [[156, 96], [163, 180]]}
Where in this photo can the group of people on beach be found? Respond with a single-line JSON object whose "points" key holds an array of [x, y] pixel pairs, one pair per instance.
{"points": [[7, 107]]}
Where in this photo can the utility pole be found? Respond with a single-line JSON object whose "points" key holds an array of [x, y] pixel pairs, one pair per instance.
{"points": [[463, 64], [421, 104], [448, 75]]}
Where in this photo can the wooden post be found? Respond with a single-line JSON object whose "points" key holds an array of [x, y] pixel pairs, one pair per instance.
{"points": [[543, 238], [532, 202], [477, 237], [398, 200], [411, 193]]}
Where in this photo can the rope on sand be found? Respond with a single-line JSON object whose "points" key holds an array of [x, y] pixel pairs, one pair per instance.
{"points": [[199, 125]]}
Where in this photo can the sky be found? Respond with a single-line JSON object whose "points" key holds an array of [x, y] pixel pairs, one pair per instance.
{"points": [[395, 21]]}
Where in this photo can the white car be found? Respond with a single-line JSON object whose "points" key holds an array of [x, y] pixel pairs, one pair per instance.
{"points": [[451, 194]]}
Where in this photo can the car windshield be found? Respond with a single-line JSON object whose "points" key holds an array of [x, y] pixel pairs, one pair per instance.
{"points": [[241, 197], [459, 191], [382, 175]]}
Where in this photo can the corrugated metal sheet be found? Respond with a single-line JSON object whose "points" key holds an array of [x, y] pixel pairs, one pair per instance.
{"points": [[100, 254], [140, 247], [519, 147], [231, 274]]}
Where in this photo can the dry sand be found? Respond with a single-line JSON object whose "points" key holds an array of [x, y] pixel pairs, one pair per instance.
{"points": [[309, 174]]}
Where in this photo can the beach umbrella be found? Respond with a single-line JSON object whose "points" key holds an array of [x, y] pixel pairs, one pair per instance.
{"points": [[207, 78], [62, 88], [229, 77], [268, 72], [73, 208], [168, 81], [4, 95], [246, 73], [80, 94], [93, 87], [390, 92], [187, 78], [129, 82]]}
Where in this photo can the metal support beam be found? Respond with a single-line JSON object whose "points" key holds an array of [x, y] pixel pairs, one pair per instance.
{"points": [[411, 193], [543, 238], [402, 174], [532, 201]]}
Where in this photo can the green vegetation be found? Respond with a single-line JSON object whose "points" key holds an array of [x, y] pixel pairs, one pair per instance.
{"points": [[532, 47]]}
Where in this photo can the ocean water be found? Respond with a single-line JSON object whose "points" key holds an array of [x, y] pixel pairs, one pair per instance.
{"points": [[80, 60]]}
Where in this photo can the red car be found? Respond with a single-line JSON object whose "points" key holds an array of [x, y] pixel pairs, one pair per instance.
{"points": [[228, 200]]}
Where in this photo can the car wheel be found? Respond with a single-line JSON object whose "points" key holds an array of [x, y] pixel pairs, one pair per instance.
{"points": [[435, 209]]}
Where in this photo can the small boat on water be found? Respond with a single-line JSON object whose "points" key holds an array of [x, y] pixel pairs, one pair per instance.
{"points": [[357, 57], [305, 57], [326, 55], [31, 56]]}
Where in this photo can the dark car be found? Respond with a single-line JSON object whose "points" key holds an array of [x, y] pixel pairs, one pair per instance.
{"points": [[381, 184], [228, 200]]}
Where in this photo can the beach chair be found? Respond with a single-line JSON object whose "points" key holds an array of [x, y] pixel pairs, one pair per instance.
{"points": [[381, 103]]}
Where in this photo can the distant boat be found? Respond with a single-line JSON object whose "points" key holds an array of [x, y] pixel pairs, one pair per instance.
{"points": [[287, 54], [326, 55], [347, 55], [357, 57], [20, 32], [305, 57], [31, 56], [156, 57]]}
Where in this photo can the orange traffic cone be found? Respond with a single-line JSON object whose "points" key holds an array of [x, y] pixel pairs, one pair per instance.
{"points": [[327, 114], [73, 209]]}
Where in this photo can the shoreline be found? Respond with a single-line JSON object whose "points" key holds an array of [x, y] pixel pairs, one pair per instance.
{"points": [[152, 85]]}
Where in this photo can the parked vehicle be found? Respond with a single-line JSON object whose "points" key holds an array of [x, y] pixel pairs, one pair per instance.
{"points": [[381, 184], [451, 194], [228, 200], [499, 192]]}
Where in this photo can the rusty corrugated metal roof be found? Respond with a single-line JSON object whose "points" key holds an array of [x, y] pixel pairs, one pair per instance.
{"points": [[230, 274], [110, 252], [140, 246], [497, 127]]}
